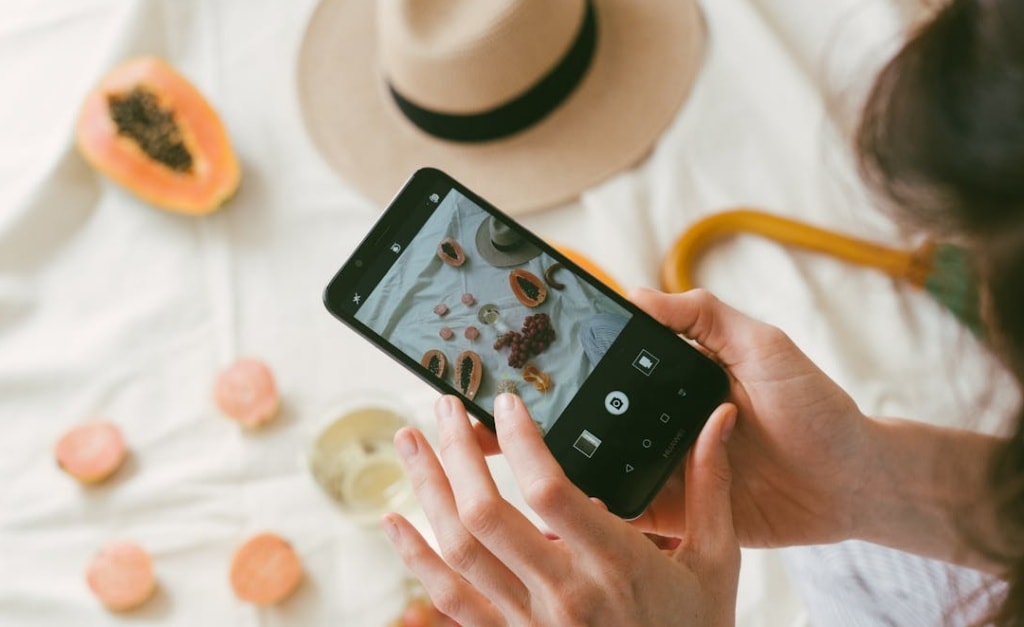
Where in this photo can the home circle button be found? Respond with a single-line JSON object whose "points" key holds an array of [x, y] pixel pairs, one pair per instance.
{"points": [[616, 403]]}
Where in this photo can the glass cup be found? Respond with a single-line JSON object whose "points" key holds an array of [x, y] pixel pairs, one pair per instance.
{"points": [[353, 459]]}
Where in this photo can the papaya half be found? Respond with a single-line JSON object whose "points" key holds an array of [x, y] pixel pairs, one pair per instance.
{"points": [[527, 287], [469, 371], [149, 129], [451, 252], [434, 361]]}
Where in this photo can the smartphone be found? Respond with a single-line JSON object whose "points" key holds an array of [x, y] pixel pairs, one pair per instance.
{"points": [[476, 304]]}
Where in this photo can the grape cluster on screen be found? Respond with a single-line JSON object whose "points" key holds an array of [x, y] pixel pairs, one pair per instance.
{"points": [[535, 338]]}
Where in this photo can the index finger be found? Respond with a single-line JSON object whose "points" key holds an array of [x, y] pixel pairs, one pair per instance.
{"points": [[492, 520], [547, 490]]}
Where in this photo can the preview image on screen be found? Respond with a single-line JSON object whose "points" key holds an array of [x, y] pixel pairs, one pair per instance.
{"points": [[488, 311]]}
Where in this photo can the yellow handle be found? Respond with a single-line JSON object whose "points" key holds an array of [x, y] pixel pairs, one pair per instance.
{"points": [[679, 264]]}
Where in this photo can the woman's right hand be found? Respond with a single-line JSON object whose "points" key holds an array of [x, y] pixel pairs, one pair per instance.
{"points": [[800, 444]]}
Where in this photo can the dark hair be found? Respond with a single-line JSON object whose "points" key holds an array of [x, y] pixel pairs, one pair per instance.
{"points": [[941, 136]]}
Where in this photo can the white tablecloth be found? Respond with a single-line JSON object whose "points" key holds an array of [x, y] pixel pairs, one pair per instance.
{"points": [[111, 308]]}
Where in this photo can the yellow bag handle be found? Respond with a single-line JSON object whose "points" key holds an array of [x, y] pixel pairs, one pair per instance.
{"points": [[681, 261]]}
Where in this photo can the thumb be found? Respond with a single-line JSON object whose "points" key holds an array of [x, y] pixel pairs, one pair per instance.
{"points": [[709, 483], [700, 316]]}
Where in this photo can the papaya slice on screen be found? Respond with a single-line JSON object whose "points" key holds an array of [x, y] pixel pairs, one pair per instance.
{"points": [[469, 371], [149, 129], [527, 287]]}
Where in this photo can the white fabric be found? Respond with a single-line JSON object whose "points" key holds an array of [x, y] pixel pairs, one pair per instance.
{"points": [[111, 308]]}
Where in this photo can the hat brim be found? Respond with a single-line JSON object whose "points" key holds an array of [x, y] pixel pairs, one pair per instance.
{"points": [[502, 258], [648, 55]]}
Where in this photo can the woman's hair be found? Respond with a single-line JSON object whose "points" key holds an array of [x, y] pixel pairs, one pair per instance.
{"points": [[941, 137]]}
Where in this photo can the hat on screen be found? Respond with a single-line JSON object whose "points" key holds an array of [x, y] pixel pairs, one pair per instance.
{"points": [[528, 102], [502, 247]]}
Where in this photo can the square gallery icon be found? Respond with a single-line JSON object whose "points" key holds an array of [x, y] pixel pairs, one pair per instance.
{"points": [[587, 443]]}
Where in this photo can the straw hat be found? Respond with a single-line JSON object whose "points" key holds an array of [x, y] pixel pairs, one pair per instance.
{"points": [[527, 102]]}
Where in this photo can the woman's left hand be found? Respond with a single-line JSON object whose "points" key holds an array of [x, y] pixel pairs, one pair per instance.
{"points": [[497, 568]]}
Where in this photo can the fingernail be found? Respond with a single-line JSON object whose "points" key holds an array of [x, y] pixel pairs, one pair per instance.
{"points": [[390, 528], [444, 407], [504, 403], [727, 428], [405, 443]]}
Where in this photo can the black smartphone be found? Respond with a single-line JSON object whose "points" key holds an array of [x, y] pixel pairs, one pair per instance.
{"points": [[475, 304]]}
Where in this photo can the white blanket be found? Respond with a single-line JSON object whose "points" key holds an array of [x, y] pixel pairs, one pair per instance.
{"points": [[111, 308]]}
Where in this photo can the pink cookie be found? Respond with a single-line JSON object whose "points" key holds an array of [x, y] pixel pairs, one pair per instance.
{"points": [[121, 575], [92, 451], [246, 392]]}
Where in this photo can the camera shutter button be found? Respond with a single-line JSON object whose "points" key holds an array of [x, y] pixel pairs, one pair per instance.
{"points": [[616, 403]]}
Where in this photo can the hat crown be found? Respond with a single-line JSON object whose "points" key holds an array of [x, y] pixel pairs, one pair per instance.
{"points": [[502, 235], [469, 56]]}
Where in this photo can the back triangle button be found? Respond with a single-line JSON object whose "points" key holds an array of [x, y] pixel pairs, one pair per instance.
{"points": [[629, 468]]}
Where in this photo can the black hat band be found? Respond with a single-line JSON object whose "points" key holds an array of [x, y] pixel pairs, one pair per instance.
{"points": [[520, 112]]}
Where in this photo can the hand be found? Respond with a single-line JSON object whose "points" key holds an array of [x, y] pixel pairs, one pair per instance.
{"points": [[499, 569], [797, 454]]}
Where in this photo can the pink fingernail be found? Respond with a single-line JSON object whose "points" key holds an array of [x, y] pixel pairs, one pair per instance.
{"points": [[445, 406], [405, 443], [504, 403], [390, 528], [727, 428]]}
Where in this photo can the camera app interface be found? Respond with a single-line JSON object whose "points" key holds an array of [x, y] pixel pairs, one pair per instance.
{"points": [[485, 310]]}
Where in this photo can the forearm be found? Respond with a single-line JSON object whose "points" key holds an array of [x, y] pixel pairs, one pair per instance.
{"points": [[925, 491]]}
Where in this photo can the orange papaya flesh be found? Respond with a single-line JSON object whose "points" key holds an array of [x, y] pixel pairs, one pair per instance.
{"points": [[149, 129]]}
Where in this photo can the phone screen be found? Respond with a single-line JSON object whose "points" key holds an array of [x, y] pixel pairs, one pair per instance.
{"points": [[564, 336], [477, 305]]}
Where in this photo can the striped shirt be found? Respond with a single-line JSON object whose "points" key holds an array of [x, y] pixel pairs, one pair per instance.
{"points": [[858, 584]]}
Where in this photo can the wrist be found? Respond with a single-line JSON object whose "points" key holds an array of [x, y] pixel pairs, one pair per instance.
{"points": [[854, 493], [887, 477], [922, 486]]}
